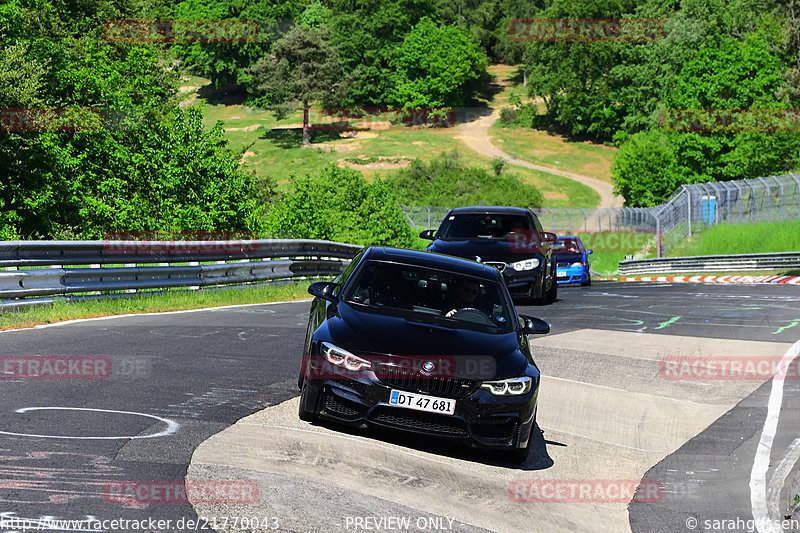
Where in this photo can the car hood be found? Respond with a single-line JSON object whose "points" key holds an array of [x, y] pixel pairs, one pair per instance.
{"points": [[369, 333], [569, 258], [487, 250]]}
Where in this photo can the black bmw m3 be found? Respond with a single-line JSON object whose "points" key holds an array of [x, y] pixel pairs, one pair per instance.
{"points": [[424, 343]]}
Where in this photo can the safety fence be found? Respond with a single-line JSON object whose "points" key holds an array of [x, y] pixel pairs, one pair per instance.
{"points": [[690, 209], [35, 269]]}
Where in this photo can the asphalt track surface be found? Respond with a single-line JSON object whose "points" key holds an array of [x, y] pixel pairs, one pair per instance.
{"points": [[179, 379]]}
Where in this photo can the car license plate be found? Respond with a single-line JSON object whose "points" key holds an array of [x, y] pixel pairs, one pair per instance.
{"points": [[420, 402], [561, 274]]}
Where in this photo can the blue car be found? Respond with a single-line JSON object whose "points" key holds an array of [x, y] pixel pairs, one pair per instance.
{"points": [[572, 263]]}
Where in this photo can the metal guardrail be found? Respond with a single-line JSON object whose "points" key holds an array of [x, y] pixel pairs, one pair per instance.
{"points": [[152, 264], [711, 263]]}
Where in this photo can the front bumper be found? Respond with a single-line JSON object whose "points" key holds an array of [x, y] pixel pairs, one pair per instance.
{"points": [[480, 419], [572, 275], [525, 284]]}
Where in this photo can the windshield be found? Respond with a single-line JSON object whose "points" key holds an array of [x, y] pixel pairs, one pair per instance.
{"points": [[494, 226], [431, 295], [567, 246]]}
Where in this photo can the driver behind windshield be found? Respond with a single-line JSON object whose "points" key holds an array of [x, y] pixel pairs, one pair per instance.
{"points": [[466, 296]]}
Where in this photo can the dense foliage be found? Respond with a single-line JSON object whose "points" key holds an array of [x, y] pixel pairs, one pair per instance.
{"points": [[129, 158], [448, 181], [733, 55], [117, 155], [340, 205]]}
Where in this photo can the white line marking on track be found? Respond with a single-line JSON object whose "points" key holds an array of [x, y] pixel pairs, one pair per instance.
{"points": [[778, 479], [109, 317], [171, 428], [758, 474], [676, 400]]}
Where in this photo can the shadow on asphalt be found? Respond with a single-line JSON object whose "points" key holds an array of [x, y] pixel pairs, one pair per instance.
{"points": [[538, 458]]}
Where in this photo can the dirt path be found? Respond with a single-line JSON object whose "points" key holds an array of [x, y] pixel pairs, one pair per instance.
{"points": [[475, 135]]}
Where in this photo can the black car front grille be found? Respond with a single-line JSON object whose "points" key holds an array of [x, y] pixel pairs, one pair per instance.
{"points": [[563, 265], [502, 430], [334, 404], [417, 382], [420, 421]]}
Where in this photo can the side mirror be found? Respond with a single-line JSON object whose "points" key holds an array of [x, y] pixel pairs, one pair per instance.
{"points": [[549, 237], [589, 251], [533, 326], [427, 234], [324, 290]]}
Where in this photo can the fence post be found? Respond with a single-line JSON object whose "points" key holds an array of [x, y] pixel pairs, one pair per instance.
{"points": [[429, 216], [762, 180], [658, 236], [688, 207], [797, 181], [741, 199], [585, 221], [781, 187]]}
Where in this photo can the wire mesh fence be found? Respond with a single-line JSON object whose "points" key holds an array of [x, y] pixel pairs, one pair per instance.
{"points": [[689, 210]]}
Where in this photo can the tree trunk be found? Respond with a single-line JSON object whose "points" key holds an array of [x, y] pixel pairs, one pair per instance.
{"points": [[524, 78], [306, 142]]}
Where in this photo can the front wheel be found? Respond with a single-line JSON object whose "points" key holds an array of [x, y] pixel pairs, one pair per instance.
{"points": [[302, 413], [588, 281], [520, 455], [552, 294]]}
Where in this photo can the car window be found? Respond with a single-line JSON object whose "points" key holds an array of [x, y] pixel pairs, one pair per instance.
{"points": [[493, 226], [427, 294], [567, 246]]}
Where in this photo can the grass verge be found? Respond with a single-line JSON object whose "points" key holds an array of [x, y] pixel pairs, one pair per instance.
{"points": [[724, 239], [151, 303], [273, 148], [542, 148]]}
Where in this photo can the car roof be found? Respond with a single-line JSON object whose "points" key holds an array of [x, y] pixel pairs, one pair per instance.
{"points": [[490, 210], [432, 260], [573, 237]]}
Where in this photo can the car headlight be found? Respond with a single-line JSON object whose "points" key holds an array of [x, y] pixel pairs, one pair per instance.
{"points": [[509, 387], [527, 264], [577, 265], [337, 356]]}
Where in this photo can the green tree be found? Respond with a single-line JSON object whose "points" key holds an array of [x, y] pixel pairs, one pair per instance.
{"points": [[734, 75], [643, 169], [340, 205], [448, 181], [437, 66], [301, 68], [367, 33]]}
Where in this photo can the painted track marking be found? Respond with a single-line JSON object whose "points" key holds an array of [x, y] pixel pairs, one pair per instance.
{"points": [[171, 428], [758, 474]]}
